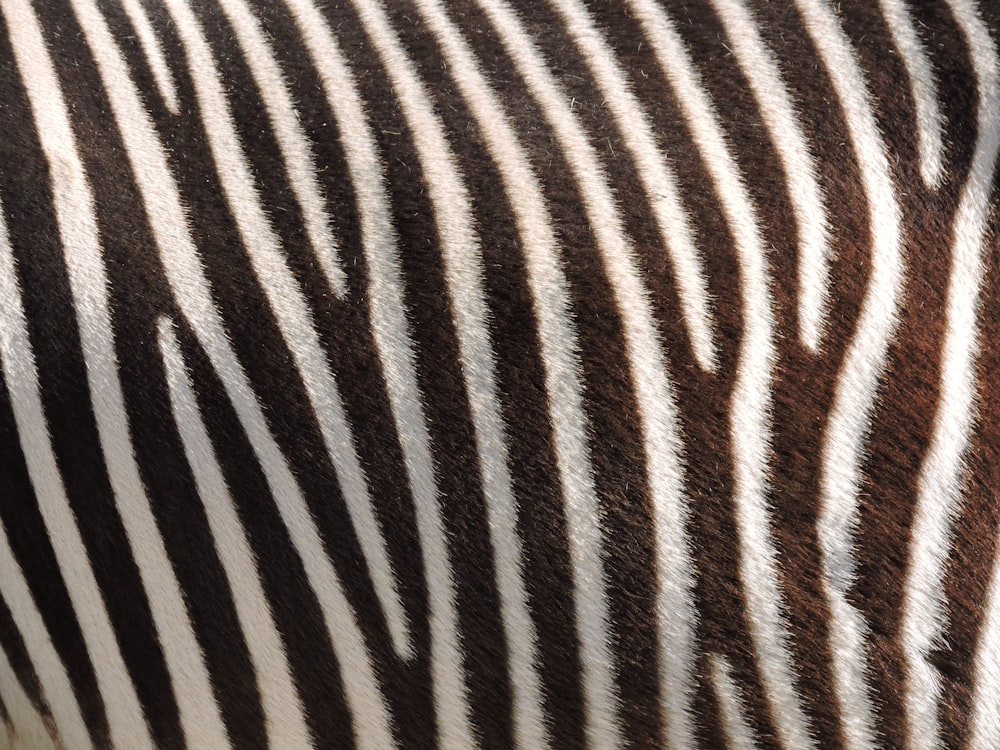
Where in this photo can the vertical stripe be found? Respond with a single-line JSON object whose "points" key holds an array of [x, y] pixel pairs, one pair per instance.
{"points": [[199, 712], [27, 730], [464, 273], [939, 488], [749, 410], [558, 341], [51, 672], [923, 89], [127, 726], [186, 276], [858, 380], [778, 112], [676, 655], [661, 439], [284, 718], [290, 310], [295, 147], [391, 335], [150, 44], [657, 178], [739, 735]]}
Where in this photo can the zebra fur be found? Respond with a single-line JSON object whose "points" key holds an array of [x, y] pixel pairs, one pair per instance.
{"points": [[495, 373]]}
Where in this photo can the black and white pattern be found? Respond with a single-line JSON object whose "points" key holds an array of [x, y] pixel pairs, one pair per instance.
{"points": [[497, 373]]}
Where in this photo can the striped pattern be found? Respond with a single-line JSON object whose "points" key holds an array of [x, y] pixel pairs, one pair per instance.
{"points": [[500, 374]]}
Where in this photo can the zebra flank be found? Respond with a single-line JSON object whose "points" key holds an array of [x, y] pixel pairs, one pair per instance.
{"points": [[606, 374]]}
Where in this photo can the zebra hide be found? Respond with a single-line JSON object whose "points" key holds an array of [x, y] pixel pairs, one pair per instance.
{"points": [[399, 374]]}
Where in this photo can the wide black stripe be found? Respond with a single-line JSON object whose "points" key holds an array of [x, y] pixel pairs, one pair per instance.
{"points": [[55, 340], [297, 614]]}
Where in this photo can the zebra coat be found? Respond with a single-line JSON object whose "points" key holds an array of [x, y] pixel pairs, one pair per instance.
{"points": [[499, 374]]}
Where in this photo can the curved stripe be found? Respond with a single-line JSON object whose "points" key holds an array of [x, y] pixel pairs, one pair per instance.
{"points": [[291, 313], [739, 734], [858, 380], [658, 180], [785, 131], [657, 413], [200, 717], [557, 339], [677, 662], [292, 141], [284, 720], [750, 428], [464, 272], [27, 730], [52, 676], [923, 89], [17, 359], [193, 296], [939, 487], [150, 44], [395, 350], [558, 342]]}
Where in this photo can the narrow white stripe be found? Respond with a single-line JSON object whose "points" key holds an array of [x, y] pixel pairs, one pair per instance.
{"points": [[464, 272], [657, 178], [125, 719], [48, 666], [661, 188], [778, 112], [199, 712], [739, 734], [284, 719], [291, 313], [395, 349], [657, 412], [193, 296], [923, 88], [292, 140], [858, 381], [558, 340], [750, 428], [150, 44], [27, 728], [939, 488]]}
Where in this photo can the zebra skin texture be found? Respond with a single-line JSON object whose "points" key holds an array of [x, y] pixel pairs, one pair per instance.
{"points": [[499, 374]]}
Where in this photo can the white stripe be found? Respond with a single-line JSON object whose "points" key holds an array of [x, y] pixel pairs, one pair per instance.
{"points": [[857, 384], [127, 726], [778, 112], [985, 720], [463, 271], [655, 174], [558, 341], [392, 341], [284, 720], [27, 728], [150, 44], [661, 188], [291, 313], [292, 141], [923, 89], [739, 734], [193, 296], [657, 413], [750, 429], [199, 712], [48, 666], [939, 488]]}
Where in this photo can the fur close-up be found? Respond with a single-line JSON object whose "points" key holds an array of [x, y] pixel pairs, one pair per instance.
{"points": [[536, 374]]}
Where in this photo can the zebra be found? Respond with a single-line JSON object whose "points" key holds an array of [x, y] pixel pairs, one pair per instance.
{"points": [[499, 374]]}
